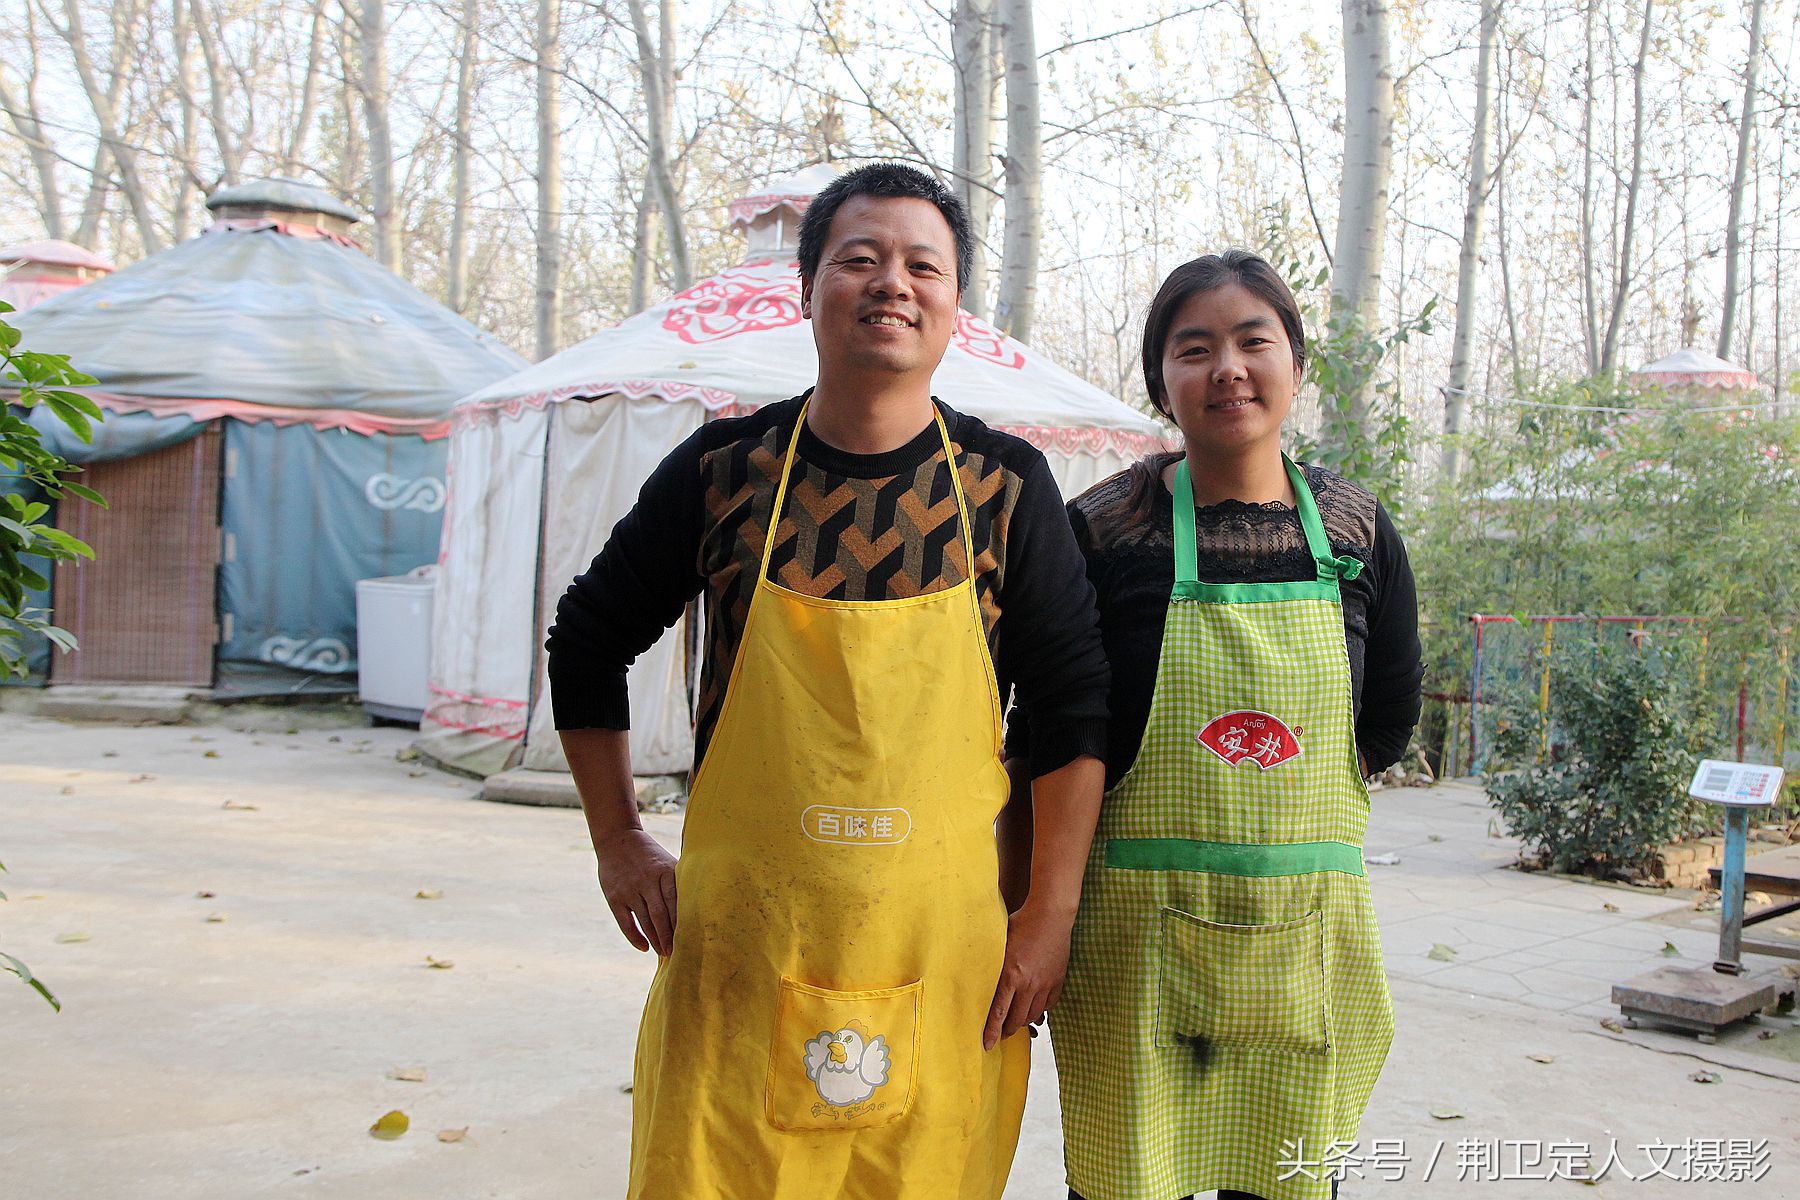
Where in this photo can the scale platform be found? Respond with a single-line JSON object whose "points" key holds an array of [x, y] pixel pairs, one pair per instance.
{"points": [[1700, 1000]]}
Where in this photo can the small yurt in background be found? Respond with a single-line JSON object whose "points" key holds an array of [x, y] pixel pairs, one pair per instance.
{"points": [[543, 463], [39, 271], [1699, 376], [277, 413]]}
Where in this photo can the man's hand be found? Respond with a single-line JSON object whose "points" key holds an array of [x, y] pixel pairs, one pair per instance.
{"points": [[1031, 979], [638, 877]]}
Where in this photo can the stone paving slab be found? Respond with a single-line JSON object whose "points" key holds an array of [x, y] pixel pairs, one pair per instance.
{"points": [[244, 1059]]}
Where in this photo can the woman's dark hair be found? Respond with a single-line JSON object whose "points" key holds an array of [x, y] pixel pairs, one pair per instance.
{"points": [[1191, 279], [885, 180], [1202, 275]]}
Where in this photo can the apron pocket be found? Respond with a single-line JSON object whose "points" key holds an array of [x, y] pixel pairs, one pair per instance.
{"points": [[842, 1060], [1243, 985]]}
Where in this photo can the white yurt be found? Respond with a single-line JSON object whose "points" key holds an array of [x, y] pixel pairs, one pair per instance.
{"points": [[544, 462]]}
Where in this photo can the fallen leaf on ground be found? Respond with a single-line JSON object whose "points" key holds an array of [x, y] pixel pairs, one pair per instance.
{"points": [[429, 894], [1542, 1058], [1705, 1077], [68, 791], [406, 754], [415, 774], [1432, 837], [204, 895], [1609, 1023], [64, 939], [1610, 907], [407, 1074], [1441, 953], [438, 964], [212, 754], [109, 754], [1382, 860], [1763, 1035], [1671, 950], [453, 1135], [391, 1126], [625, 1088], [233, 804], [142, 778], [1445, 1114], [334, 738], [215, 918]]}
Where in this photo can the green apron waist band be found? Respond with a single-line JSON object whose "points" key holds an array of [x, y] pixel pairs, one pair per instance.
{"points": [[1233, 858]]}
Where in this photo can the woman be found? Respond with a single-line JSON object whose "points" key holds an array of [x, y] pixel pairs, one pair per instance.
{"points": [[1226, 1013]]}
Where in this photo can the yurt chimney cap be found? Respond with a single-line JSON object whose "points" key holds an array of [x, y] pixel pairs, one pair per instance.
{"points": [[278, 193], [793, 192]]}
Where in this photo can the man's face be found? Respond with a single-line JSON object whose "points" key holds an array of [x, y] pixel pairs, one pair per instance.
{"points": [[884, 299]]}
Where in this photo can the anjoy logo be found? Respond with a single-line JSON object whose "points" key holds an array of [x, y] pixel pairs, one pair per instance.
{"points": [[1249, 734]]}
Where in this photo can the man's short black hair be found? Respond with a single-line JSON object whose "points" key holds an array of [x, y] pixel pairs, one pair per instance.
{"points": [[885, 180]]}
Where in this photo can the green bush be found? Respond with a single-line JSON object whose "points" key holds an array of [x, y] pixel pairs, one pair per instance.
{"points": [[1631, 725]]}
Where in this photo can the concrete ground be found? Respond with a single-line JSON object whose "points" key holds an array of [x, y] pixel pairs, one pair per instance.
{"points": [[233, 922]]}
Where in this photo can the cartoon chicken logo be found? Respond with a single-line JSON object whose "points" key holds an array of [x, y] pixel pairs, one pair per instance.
{"points": [[847, 1066]]}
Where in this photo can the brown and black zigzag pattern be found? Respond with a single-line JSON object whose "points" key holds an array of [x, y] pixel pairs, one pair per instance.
{"points": [[840, 538]]}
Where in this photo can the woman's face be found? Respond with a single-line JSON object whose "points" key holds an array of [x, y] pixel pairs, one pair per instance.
{"points": [[1228, 371]]}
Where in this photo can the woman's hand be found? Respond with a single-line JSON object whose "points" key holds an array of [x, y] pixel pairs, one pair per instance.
{"points": [[638, 877], [1031, 978]]}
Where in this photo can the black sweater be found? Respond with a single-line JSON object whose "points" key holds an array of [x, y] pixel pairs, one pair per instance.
{"points": [[1130, 562], [855, 527]]}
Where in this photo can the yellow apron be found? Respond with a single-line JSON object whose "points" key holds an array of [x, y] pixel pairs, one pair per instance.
{"points": [[816, 1032]]}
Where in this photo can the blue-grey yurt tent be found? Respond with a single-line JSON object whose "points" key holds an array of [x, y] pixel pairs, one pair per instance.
{"points": [[277, 417]]}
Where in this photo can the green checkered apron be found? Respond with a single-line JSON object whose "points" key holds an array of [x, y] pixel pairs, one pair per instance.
{"points": [[1226, 1013]]}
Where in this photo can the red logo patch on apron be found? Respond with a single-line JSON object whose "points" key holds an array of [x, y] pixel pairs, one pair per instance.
{"points": [[1250, 735]]}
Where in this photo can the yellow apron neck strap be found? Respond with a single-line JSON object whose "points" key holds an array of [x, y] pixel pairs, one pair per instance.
{"points": [[787, 469]]}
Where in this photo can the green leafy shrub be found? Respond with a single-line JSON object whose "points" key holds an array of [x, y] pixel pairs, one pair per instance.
{"points": [[1631, 725], [28, 469], [35, 471]]}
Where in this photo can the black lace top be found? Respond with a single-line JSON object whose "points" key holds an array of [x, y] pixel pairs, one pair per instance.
{"points": [[1130, 562]]}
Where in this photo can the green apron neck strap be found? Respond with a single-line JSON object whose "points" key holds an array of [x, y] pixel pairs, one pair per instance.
{"points": [[1330, 569]]}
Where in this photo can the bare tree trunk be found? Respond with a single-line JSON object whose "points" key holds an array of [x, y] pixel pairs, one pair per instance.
{"points": [[93, 205], [1590, 300], [549, 190], [643, 248], [295, 157], [972, 43], [1023, 231], [459, 170], [231, 149], [182, 16], [656, 69], [121, 151], [1506, 288], [1609, 350], [1368, 162], [1734, 222], [351, 152], [1462, 350], [27, 124], [43, 158], [372, 23]]}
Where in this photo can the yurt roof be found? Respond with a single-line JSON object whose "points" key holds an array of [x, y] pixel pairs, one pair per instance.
{"points": [[259, 320], [54, 253], [1691, 368], [736, 342]]}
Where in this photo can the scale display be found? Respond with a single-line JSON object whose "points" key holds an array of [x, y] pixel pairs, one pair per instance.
{"points": [[1735, 783]]}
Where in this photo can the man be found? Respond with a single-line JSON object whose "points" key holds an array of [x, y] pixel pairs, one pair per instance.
{"points": [[837, 1009]]}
